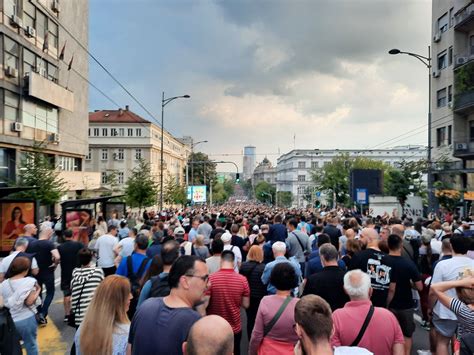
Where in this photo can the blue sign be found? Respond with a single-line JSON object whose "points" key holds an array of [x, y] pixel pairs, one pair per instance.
{"points": [[318, 193], [361, 196]]}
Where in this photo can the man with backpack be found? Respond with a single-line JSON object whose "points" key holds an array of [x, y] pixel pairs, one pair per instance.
{"points": [[134, 267]]}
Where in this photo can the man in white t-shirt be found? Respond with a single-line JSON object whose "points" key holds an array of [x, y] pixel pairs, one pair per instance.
{"points": [[226, 238], [105, 251], [445, 321], [21, 244], [126, 246]]}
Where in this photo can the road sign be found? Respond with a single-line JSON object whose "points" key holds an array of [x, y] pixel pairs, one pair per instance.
{"points": [[318, 193], [361, 196]]}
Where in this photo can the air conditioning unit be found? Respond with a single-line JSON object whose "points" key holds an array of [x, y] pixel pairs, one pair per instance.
{"points": [[42, 71], [17, 126], [461, 146], [437, 37], [30, 31], [54, 138], [16, 21], [450, 104], [55, 6], [461, 60], [436, 74], [11, 72]]}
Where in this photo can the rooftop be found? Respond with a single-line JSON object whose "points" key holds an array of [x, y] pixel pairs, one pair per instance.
{"points": [[116, 116]]}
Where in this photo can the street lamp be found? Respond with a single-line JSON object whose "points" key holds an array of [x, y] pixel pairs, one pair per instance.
{"points": [[427, 63], [192, 165], [165, 102]]}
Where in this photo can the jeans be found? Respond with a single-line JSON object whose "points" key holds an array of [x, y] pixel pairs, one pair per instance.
{"points": [[46, 279], [27, 329]]}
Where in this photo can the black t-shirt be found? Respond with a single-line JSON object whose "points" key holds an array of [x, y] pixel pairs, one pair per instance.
{"points": [[403, 272], [334, 234], [328, 284], [68, 252], [216, 232], [374, 263], [44, 258]]}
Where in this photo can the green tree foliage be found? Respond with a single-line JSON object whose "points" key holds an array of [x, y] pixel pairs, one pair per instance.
{"points": [[229, 187], [264, 192], [406, 179], [201, 169], [285, 198], [36, 169], [141, 190], [174, 193]]}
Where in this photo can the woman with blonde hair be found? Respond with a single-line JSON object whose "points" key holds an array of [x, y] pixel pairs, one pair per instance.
{"points": [[200, 249], [105, 328]]}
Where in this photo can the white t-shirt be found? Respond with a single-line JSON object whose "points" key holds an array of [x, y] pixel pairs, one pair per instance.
{"points": [[351, 350], [105, 247], [14, 293], [436, 246], [237, 253], [127, 245], [8, 260], [449, 270]]}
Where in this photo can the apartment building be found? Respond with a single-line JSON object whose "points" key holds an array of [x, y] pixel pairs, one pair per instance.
{"points": [[118, 139]]}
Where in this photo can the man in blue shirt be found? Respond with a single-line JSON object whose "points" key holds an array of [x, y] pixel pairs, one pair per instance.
{"points": [[277, 232], [313, 265], [279, 250], [193, 232]]}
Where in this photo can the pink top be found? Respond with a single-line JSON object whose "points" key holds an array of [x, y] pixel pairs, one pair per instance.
{"points": [[381, 334], [282, 330]]}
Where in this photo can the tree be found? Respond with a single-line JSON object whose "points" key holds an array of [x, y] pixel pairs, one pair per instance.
{"points": [[285, 198], [219, 193], [406, 180], [141, 190], [36, 169], [201, 169], [265, 192], [174, 192]]}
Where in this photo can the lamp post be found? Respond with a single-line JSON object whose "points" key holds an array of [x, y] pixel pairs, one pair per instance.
{"points": [[165, 102], [427, 63]]}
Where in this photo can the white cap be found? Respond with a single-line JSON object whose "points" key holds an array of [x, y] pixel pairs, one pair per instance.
{"points": [[255, 228], [226, 237]]}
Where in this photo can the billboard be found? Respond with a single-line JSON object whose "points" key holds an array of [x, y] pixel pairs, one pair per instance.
{"points": [[78, 220], [15, 215], [197, 194], [115, 210]]}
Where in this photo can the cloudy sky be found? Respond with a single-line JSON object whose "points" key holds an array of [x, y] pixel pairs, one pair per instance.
{"points": [[262, 72]]}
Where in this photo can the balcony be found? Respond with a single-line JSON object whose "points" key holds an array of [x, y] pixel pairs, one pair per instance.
{"points": [[461, 59], [464, 103], [464, 149], [463, 19], [50, 92]]}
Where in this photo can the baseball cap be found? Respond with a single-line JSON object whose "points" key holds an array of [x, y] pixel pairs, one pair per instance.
{"points": [[179, 230], [226, 237], [255, 228]]}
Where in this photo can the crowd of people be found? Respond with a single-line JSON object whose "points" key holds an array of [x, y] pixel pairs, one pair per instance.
{"points": [[310, 282]]}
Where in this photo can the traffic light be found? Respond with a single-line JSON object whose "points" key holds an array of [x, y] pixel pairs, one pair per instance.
{"points": [[317, 204], [237, 178]]}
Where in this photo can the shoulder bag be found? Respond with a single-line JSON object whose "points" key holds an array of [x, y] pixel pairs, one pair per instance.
{"points": [[277, 316], [71, 319], [364, 326]]}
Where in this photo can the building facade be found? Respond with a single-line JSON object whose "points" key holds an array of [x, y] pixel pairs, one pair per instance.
{"points": [[43, 91], [249, 162], [452, 93], [294, 168], [118, 139], [264, 171]]}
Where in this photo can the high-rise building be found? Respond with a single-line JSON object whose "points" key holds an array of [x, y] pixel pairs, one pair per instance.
{"points": [[249, 162], [452, 93], [44, 88]]}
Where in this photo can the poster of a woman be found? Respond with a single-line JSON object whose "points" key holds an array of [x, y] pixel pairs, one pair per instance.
{"points": [[79, 222], [15, 215]]}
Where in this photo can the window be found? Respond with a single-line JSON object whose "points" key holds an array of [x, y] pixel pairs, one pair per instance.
{"points": [[120, 177], [96, 132], [52, 34], [89, 154], [301, 177], [440, 136], [113, 132], [301, 165], [441, 97], [12, 53], [28, 14], [40, 116], [41, 24], [138, 132], [89, 132], [138, 154], [301, 190], [10, 7], [105, 154], [52, 72], [104, 132], [69, 163], [442, 60], [450, 55], [120, 154], [471, 130], [29, 61], [450, 93], [314, 164], [130, 132], [12, 103], [450, 134], [443, 23], [42, 67], [121, 132], [451, 17], [103, 177]]}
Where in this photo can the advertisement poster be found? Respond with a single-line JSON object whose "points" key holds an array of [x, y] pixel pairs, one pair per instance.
{"points": [[197, 194], [115, 210], [78, 221], [15, 215]]}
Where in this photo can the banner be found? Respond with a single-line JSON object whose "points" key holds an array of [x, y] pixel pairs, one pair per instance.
{"points": [[78, 220], [15, 216], [197, 194], [114, 210]]}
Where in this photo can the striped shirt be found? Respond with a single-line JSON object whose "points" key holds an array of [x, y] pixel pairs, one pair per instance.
{"points": [[226, 292], [465, 316], [89, 278]]}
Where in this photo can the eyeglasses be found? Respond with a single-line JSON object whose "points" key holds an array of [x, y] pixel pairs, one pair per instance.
{"points": [[204, 278]]}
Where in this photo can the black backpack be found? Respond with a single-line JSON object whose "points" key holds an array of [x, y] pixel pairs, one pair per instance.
{"points": [[159, 286], [135, 277], [9, 339]]}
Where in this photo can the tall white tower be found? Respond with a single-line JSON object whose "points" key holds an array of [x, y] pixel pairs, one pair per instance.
{"points": [[249, 161]]}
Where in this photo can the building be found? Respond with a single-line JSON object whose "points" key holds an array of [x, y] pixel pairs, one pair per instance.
{"points": [[452, 93], [264, 172], [118, 139], [249, 162], [294, 168], [41, 100]]}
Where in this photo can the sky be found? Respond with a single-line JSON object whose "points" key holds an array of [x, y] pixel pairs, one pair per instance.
{"points": [[275, 74]]}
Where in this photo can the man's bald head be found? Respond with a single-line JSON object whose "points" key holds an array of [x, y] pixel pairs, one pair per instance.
{"points": [[398, 229], [369, 237], [202, 341]]}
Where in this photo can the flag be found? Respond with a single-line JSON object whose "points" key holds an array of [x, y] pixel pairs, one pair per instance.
{"points": [[61, 55], [46, 43], [69, 67]]}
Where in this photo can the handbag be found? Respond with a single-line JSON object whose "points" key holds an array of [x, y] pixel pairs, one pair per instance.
{"points": [[71, 319], [364, 326], [277, 316], [9, 338]]}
